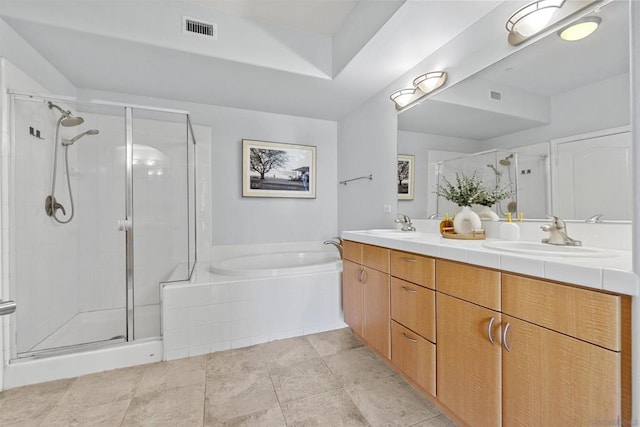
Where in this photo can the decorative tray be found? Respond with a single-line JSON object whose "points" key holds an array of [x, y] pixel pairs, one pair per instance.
{"points": [[448, 233]]}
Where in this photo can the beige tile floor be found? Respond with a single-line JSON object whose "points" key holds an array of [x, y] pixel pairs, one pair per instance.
{"points": [[327, 379]]}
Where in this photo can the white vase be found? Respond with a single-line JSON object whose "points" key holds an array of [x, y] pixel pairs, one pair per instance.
{"points": [[466, 221], [486, 214]]}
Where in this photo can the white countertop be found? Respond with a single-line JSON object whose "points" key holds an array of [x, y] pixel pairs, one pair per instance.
{"points": [[612, 274]]}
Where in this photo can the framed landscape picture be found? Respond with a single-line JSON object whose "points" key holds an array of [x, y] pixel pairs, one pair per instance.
{"points": [[405, 176], [272, 169]]}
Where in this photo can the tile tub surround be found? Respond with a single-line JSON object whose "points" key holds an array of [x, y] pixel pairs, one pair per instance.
{"points": [[214, 312], [612, 274], [264, 385]]}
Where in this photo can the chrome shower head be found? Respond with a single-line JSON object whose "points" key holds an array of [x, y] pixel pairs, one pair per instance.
{"points": [[66, 142], [66, 120], [506, 161]]}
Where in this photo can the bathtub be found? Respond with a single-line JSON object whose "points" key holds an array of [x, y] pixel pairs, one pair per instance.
{"points": [[252, 299], [278, 264]]}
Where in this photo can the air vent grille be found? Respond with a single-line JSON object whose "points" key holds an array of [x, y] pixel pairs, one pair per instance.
{"points": [[496, 95], [198, 27]]}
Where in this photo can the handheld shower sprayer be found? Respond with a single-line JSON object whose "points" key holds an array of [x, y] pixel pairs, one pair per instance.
{"points": [[67, 142]]}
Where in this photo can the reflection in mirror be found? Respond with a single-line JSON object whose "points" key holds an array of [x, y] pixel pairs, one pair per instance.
{"points": [[562, 109]]}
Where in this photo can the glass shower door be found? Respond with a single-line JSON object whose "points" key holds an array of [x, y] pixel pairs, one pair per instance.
{"points": [[67, 271]]}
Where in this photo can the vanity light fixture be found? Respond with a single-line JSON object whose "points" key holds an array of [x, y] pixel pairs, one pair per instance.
{"points": [[431, 81], [531, 19], [580, 29], [402, 97]]}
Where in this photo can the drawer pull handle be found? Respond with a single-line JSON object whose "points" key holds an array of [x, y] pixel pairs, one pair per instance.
{"points": [[412, 260], [411, 291], [489, 331], [407, 337], [504, 337]]}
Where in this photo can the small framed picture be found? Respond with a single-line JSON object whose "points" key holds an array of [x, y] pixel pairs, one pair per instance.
{"points": [[405, 176], [272, 169]]}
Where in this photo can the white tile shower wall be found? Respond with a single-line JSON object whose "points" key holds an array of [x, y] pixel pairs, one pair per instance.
{"points": [[210, 317], [43, 267]]}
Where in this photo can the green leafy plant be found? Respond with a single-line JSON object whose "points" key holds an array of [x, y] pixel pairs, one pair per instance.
{"points": [[466, 191], [497, 194]]}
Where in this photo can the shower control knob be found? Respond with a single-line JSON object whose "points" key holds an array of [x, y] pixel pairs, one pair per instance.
{"points": [[124, 225]]}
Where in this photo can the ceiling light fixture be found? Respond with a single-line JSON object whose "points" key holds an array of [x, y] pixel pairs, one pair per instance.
{"points": [[431, 81], [531, 19], [580, 29], [402, 97], [424, 84]]}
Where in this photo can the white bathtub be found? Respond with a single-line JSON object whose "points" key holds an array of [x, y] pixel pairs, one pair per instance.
{"points": [[278, 264], [252, 299]]}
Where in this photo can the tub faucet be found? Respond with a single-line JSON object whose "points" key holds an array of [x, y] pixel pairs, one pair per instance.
{"points": [[335, 241], [596, 219], [558, 233], [406, 222]]}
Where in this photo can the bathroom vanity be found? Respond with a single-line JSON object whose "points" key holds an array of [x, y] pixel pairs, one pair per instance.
{"points": [[486, 343]]}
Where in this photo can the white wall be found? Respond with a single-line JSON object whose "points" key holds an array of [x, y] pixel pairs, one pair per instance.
{"points": [[237, 220], [419, 145], [601, 105]]}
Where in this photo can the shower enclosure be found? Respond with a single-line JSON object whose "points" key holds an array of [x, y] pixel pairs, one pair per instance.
{"points": [[101, 212]]}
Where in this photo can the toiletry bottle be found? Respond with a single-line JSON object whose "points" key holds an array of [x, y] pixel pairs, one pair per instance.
{"points": [[446, 223], [509, 230]]}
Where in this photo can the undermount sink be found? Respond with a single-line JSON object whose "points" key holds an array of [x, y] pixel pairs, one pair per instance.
{"points": [[543, 249], [392, 232]]}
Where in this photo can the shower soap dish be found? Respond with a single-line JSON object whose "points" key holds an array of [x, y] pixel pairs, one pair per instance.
{"points": [[449, 233]]}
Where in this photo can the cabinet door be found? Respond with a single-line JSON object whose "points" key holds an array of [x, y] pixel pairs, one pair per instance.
{"points": [[352, 295], [376, 311], [550, 379], [468, 368]]}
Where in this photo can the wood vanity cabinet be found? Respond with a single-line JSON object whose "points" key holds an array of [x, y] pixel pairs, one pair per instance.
{"points": [[413, 326], [562, 355], [469, 381], [365, 293]]}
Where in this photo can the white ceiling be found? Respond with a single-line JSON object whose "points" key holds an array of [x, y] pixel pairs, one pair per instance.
{"points": [[322, 17], [546, 68], [261, 59]]}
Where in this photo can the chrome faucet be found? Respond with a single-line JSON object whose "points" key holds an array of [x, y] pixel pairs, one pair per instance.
{"points": [[558, 233], [335, 241], [406, 222]]}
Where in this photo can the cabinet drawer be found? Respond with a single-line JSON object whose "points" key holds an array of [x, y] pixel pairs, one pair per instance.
{"points": [[414, 356], [376, 257], [352, 251], [414, 307], [474, 284], [587, 315], [413, 268]]}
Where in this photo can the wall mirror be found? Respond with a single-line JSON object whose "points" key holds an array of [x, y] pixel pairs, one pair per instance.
{"points": [[551, 119]]}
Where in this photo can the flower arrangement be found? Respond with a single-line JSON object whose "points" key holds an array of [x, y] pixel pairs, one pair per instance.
{"points": [[490, 198], [466, 191]]}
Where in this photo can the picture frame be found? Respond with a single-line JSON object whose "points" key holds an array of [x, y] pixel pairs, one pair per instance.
{"points": [[274, 169], [405, 177]]}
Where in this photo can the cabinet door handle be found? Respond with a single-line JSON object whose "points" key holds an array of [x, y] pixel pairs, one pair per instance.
{"points": [[361, 276], [407, 337], [364, 276], [489, 330], [411, 291], [504, 337], [412, 260]]}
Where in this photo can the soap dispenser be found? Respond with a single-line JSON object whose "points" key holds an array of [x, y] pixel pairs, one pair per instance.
{"points": [[509, 230], [446, 223]]}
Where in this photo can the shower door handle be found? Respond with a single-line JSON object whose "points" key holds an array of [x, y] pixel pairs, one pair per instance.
{"points": [[7, 307], [124, 224]]}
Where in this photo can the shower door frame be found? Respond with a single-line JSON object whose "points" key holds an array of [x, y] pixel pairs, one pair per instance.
{"points": [[128, 223]]}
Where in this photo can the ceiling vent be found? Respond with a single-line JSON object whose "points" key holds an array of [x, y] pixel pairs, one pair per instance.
{"points": [[197, 27], [496, 95]]}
